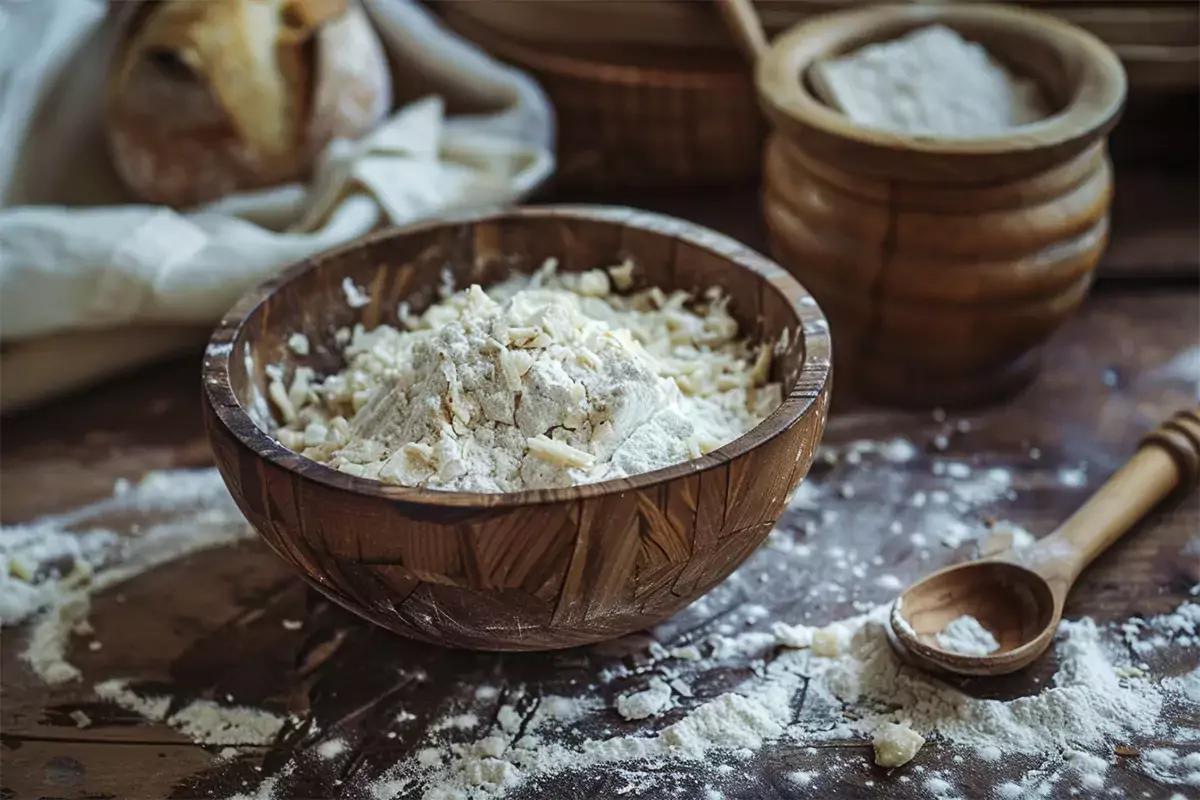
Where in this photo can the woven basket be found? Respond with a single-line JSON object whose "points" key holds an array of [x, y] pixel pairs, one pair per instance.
{"points": [[640, 116]]}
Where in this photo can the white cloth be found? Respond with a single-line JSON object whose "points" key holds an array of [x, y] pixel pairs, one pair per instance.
{"points": [[80, 264]]}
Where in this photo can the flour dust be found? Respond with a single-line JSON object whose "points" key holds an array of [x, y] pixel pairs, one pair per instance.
{"points": [[739, 677]]}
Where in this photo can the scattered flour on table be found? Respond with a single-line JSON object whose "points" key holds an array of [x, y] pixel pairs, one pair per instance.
{"points": [[208, 723], [268, 789], [332, 749], [1169, 766], [967, 636], [1016, 536], [1184, 366], [801, 777], [938, 787], [852, 686], [1187, 686], [52, 565], [537, 382], [646, 703], [857, 688], [46, 651], [459, 721], [1073, 477], [860, 691], [1181, 627], [202, 721]]}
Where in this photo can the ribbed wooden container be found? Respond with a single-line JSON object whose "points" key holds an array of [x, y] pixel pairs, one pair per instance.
{"points": [[639, 115], [943, 265]]}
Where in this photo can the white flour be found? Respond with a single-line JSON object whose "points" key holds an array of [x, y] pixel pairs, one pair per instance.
{"points": [[56, 562], [967, 636], [267, 789], [646, 703], [1070, 725], [202, 721], [930, 82], [1182, 627], [332, 749], [1186, 686], [534, 383], [1102, 693], [1088, 706], [50, 637], [1170, 766]]}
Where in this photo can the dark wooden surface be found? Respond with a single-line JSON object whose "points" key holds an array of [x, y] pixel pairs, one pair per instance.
{"points": [[211, 624]]}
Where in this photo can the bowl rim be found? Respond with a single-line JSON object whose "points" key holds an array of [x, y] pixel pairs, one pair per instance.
{"points": [[810, 386], [576, 67], [1093, 107]]}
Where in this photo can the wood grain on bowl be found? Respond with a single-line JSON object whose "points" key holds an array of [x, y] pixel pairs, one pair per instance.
{"points": [[629, 112], [529, 570], [944, 263]]}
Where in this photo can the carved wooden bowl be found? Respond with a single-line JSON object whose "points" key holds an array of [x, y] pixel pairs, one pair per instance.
{"points": [[943, 264], [531, 570]]}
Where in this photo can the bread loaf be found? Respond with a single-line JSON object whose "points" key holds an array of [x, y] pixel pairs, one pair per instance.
{"points": [[212, 97]]}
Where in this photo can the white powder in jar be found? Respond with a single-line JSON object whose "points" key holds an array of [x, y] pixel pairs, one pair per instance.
{"points": [[538, 382], [930, 82]]}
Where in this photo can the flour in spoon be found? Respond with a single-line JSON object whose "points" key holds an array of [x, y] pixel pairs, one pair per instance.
{"points": [[966, 635], [538, 382]]}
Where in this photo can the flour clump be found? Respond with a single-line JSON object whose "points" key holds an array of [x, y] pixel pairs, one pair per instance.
{"points": [[538, 382]]}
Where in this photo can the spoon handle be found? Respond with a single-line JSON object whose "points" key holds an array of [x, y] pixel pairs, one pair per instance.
{"points": [[1168, 459], [746, 26]]}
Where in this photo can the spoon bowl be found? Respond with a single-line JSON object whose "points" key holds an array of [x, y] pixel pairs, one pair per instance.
{"points": [[1014, 603]]}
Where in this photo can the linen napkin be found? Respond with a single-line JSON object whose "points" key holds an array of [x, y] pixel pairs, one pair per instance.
{"points": [[92, 284]]}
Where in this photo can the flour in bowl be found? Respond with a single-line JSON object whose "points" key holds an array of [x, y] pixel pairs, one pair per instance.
{"points": [[538, 382]]}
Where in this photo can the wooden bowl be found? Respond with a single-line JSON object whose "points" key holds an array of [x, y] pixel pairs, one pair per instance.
{"points": [[943, 264], [630, 113], [530, 570]]}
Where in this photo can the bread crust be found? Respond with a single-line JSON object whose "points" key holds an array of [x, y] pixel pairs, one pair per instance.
{"points": [[209, 98]]}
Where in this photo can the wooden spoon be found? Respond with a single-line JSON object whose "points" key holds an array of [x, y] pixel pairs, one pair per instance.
{"points": [[746, 26], [1019, 595]]}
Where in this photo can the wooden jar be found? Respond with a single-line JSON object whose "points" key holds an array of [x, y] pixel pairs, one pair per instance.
{"points": [[632, 111], [943, 265]]}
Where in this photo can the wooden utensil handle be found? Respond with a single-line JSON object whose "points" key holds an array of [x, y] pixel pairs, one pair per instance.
{"points": [[744, 23], [1168, 459], [1180, 436]]}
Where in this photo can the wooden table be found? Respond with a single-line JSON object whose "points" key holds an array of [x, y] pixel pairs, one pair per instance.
{"points": [[210, 625]]}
